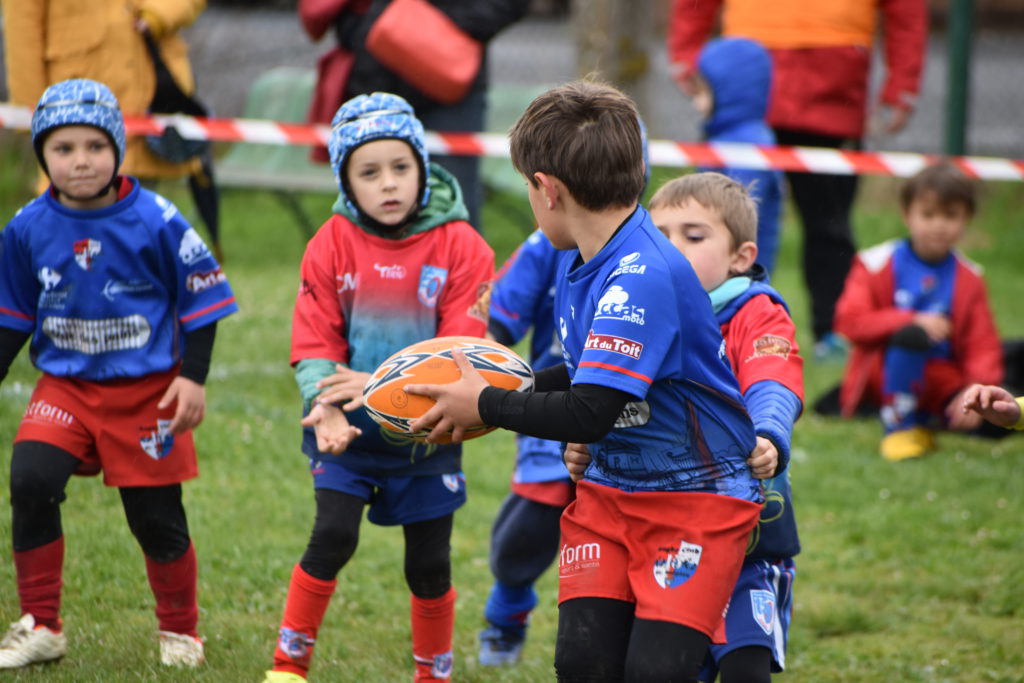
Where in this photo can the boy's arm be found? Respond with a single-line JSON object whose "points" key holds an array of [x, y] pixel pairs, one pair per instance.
{"points": [[773, 408], [11, 342], [521, 287], [982, 354], [859, 317], [583, 414], [195, 363]]}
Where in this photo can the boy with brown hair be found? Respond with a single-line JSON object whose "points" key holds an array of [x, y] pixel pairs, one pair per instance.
{"points": [[917, 313], [712, 220], [645, 384]]}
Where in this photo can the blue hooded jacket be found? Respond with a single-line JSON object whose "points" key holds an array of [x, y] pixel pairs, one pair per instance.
{"points": [[739, 73]]}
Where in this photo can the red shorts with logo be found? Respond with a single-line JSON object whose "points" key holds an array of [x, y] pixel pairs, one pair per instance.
{"points": [[676, 555], [112, 426]]}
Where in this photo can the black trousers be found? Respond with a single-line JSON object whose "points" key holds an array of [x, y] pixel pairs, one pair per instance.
{"points": [[824, 203]]}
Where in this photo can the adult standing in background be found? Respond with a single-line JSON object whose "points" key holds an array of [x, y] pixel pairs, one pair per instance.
{"points": [[821, 53], [47, 41], [480, 19]]}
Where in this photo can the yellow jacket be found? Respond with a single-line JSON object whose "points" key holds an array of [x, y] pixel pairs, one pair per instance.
{"points": [[47, 41]]}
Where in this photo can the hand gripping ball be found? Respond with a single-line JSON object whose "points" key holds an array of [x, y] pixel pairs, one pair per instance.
{"points": [[431, 362]]}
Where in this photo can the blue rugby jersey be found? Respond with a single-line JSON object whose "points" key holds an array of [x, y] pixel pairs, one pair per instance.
{"points": [[523, 298], [635, 318], [108, 293]]}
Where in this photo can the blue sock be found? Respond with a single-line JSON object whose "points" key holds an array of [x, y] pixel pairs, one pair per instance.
{"points": [[510, 606], [903, 378]]}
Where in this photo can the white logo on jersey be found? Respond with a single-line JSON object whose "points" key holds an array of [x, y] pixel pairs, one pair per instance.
{"points": [[347, 282], [562, 328], [48, 278], [613, 306], [167, 209], [192, 247], [115, 287], [634, 414], [197, 281], [97, 336], [395, 272], [627, 266]]}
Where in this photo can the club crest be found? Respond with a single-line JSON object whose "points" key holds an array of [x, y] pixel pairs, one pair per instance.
{"points": [[762, 603], [674, 566], [431, 283], [86, 251], [157, 442]]}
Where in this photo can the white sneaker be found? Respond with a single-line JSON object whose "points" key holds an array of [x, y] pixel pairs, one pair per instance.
{"points": [[181, 649], [26, 643]]}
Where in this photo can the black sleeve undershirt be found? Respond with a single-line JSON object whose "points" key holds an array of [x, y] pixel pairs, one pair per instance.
{"points": [[198, 349], [582, 414], [11, 342]]}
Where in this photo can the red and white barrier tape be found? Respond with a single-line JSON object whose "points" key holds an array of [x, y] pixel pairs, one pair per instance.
{"points": [[662, 152]]}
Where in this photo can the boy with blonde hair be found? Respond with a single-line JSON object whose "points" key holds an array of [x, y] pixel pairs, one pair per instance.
{"points": [[712, 220], [645, 384]]}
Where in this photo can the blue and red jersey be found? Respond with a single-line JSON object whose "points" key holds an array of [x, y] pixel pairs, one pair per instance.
{"points": [[362, 297], [108, 293], [760, 341], [635, 318]]}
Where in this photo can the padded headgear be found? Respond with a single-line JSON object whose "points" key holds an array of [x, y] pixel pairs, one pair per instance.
{"points": [[376, 116], [78, 102]]}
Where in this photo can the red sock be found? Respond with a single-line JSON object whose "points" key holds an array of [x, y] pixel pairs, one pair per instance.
{"points": [[174, 587], [432, 624], [39, 572], [304, 610]]}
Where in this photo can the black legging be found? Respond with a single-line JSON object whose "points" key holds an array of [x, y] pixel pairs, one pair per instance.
{"points": [[746, 665], [336, 534], [39, 477], [825, 203], [599, 639]]}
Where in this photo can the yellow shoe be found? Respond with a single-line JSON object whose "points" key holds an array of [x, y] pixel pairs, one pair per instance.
{"points": [[907, 443], [283, 677]]}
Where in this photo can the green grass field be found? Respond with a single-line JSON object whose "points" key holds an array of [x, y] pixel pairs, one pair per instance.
{"points": [[910, 571]]}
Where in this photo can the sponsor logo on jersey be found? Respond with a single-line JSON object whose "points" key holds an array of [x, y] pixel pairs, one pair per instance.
{"points": [[192, 248], [762, 603], [620, 345], [166, 208], [48, 278], [628, 266], [97, 336], [771, 345], [613, 306], [395, 272], [204, 279], [432, 281], [51, 297], [295, 644], [634, 414], [563, 329], [674, 566], [481, 308], [41, 411], [156, 440], [115, 287], [347, 282], [575, 558], [86, 252]]}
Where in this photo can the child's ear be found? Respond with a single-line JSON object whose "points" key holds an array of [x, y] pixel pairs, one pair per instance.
{"points": [[743, 258], [548, 187]]}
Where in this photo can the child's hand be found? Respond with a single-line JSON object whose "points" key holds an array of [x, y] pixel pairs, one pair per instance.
{"points": [[937, 326], [191, 398], [344, 385], [333, 432], [456, 408], [576, 458], [764, 459], [995, 404]]}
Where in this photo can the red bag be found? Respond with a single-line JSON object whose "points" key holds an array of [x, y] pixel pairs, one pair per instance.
{"points": [[426, 49]]}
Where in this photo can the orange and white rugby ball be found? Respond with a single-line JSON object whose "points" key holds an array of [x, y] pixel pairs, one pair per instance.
{"points": [[431, 362]]}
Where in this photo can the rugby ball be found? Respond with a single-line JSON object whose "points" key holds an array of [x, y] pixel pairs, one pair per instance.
{"points": [[431, 362]]}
